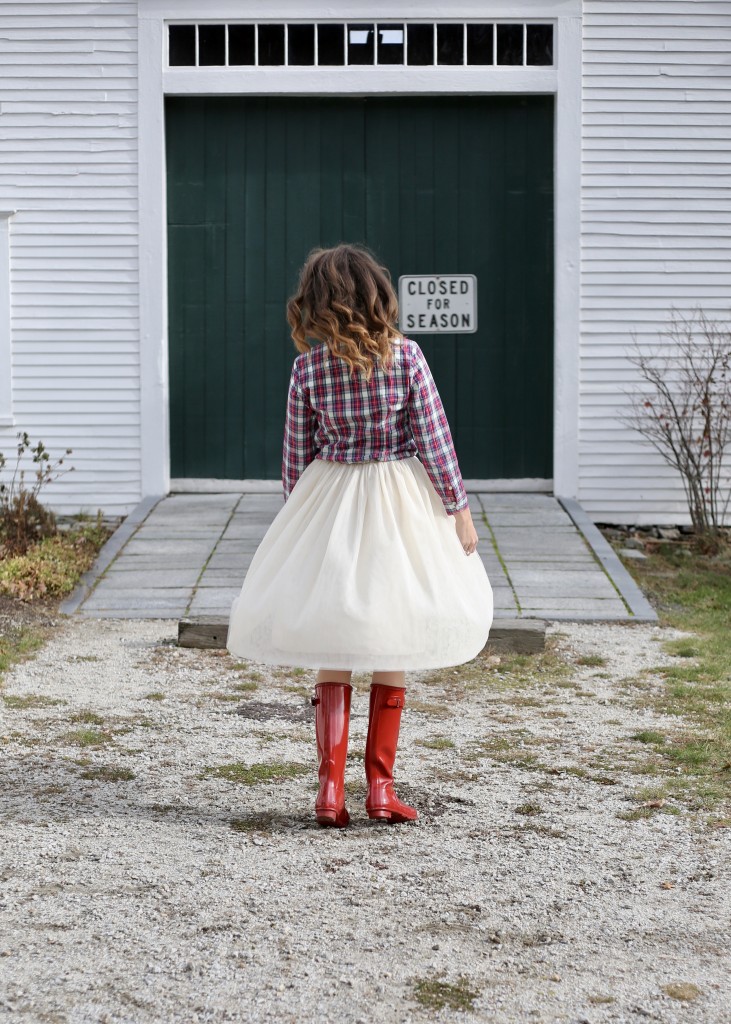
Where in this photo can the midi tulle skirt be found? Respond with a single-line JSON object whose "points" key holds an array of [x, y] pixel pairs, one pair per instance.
{"points": [[362, 569]]}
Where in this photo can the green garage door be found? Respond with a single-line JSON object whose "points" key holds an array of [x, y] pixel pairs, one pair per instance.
{"points": [[434, 185]]}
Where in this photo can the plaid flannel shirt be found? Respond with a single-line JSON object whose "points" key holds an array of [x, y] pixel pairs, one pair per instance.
{"points": [[395, 415]]}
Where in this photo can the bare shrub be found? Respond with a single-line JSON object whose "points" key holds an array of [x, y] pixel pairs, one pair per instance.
{"points": [[23, 519], [683, 409]]}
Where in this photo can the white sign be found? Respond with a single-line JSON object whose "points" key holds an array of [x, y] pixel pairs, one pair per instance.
{"points": [[438, 304]]}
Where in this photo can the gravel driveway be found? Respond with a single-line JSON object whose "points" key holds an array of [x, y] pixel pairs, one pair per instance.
{"points": [[140, 884]]}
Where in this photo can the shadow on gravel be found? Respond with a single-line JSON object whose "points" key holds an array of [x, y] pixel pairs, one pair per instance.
{"points": [[261, 711], [55, 792]]}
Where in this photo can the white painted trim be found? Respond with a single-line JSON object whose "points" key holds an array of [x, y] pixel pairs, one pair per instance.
{"points": [[528, 485], [567, 259], [154, 410], [6, 338], [348, 10], [186, 486], [564, 81], [358, 80]]}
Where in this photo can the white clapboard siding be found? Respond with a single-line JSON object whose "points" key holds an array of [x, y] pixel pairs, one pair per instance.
{"points": [[656, 223], [68, 166]]}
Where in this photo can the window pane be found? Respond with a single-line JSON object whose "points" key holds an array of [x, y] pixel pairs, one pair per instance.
{"points": [[330, 45], [301, 44], [240, 44], [450, 44], [479, 44], [211, 45], [360, 44], [271, 44], [181, 42], [420, 49], [390, 44], [540, 44], [510, 44]]}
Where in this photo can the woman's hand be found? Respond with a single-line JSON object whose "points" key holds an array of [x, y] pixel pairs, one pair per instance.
{"points": [[466, 530]]}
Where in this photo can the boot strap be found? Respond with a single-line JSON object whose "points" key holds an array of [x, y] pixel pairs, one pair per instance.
{"points": [[394, 702]]}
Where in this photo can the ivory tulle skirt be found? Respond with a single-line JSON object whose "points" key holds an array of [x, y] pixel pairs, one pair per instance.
{"points": [[362, 569]]}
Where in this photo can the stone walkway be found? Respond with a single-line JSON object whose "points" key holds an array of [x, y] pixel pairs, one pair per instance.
{"points": [[187, 554]]}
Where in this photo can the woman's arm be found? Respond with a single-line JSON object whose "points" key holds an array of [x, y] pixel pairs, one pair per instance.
{"points": [[300, 424], [433, 437]]}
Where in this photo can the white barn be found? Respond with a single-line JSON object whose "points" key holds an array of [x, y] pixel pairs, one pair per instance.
{"points": [[96, 307]]}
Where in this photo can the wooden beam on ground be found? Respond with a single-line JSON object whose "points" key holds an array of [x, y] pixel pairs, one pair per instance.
{"points": [[521, 636], [208, 632]]}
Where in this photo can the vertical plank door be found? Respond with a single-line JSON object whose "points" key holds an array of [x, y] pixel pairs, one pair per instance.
{"points": [[433, 185]]}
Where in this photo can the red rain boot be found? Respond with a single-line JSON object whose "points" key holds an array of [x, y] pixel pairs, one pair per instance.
{"points": [[332, 716], [380, 753]]}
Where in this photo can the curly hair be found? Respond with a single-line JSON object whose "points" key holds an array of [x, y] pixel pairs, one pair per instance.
{"points": [[345, 298]]}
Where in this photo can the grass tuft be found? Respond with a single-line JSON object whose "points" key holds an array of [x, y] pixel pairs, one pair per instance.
{"points": [[529, 809], [436, 743], [683, 991], [87, 718], [682, 648], [649, 736], [87, 737], [20, 644], [107, 773], [435, 994], [256, 774], [638, 814], [30, 700]]}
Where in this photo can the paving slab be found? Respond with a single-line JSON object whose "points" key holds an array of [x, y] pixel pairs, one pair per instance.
{"points": [[135, 579], [544, 556]]}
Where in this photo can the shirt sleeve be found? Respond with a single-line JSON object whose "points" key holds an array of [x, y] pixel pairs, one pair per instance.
{"points": [[299, 447], [433, 437]]}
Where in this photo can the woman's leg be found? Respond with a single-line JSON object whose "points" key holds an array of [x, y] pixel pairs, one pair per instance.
{"points": [[327, 675], [389, 678]]}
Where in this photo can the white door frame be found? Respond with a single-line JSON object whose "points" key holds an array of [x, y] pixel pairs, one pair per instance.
{"points": [[156, 81]]}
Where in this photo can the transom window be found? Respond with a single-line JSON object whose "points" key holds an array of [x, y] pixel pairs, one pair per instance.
{"points": [[331, 44]]}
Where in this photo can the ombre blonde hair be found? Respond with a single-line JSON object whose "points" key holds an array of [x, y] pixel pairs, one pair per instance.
{"points": [[346, 299]]}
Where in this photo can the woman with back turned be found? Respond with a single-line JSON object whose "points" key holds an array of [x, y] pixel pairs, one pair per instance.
{"points": [[371, 564]]}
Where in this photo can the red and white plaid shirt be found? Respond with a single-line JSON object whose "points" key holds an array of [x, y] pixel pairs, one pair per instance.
{"points": [[395, 415]]}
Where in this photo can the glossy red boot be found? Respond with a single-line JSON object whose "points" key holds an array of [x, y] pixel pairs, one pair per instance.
{"points": [[384, 722], [332, 718]]}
